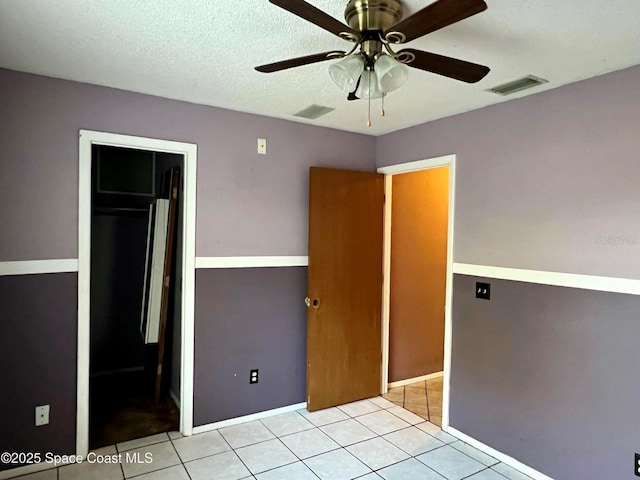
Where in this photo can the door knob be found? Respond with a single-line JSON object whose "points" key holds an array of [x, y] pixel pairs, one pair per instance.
{"points": [[315, 303]]}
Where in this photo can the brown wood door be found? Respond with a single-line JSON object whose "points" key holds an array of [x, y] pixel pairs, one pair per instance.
{"points": [[345, 286]]}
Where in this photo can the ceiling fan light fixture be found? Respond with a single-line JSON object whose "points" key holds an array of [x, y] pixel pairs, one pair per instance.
{"points": [[346, 72], [391, 74], [368, 87]]}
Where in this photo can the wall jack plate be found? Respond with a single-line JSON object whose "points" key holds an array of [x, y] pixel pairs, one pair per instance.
{"points": [[253, 376], [42, 415], [262, 146], [483, 290]]}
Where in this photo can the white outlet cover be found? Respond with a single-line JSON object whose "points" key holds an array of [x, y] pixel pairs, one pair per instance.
{"points": [[42, 415], [262, 146]]}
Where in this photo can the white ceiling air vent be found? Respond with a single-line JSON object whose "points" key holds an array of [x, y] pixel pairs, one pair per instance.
{"points": [[313, 111], [517, 85]]}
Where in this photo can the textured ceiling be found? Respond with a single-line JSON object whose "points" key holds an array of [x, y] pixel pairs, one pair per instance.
{"points": [[204, 52]]}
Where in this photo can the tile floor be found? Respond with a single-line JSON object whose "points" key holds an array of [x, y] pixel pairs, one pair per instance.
{"points": [[422, 398], [366, 440]]}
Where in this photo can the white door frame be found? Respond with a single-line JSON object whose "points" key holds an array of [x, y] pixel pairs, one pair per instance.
{"points": [[190, 153], [445, 161]]}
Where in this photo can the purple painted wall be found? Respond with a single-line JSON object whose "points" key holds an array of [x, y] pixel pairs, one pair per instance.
{"points": [[38, 356], [248, 204], [249, 318], [549, 376], [547, 182]]}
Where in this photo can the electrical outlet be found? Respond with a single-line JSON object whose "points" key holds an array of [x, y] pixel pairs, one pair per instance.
{"points": [[483, 290], [253, 376], [42, 415], [262, 146], [636, 465]]}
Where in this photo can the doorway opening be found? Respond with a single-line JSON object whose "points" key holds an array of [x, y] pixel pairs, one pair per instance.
{"points": [[135, 324], [422, 311], [135, 288]]}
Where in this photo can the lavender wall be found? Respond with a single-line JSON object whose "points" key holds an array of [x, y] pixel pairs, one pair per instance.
{"points": [[546, 182], [248, 204], [38, 356], [548, 375], [249, 318]]}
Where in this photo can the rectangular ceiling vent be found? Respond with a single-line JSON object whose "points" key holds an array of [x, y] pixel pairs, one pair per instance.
{"points": [[313, 111], [517, 85]]}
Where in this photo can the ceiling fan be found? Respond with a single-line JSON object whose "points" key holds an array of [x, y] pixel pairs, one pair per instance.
{"points": [[372, 67]]}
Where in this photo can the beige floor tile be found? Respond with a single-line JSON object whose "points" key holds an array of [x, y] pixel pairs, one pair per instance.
{"points": [[395, 394], [435, 383], [422, 385], [200, 445], [415, 396], [435, 410], [177, 472], [421, 410], [142, 442], [436, 420], [381, 402], [51, 474], [435, 394], [434, 397], [149, 458], [91, 471], [406, 415]]}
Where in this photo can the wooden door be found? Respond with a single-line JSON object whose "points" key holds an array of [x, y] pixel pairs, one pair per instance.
{"points": [[345, 286]]}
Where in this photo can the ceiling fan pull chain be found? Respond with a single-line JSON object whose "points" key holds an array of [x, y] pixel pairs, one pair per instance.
{"points": [[369, 113], [382, 113]]}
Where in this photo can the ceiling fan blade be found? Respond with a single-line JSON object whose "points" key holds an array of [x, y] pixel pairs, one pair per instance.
{"points": [[436, 16], [299, 61], [352, 95], [314, 15], [446, 66]]}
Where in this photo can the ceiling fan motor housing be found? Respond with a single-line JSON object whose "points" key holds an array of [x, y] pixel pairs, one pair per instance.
{"points": [[363, 15]]}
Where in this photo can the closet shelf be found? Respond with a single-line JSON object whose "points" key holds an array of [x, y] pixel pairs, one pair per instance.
{"points": [[119, 210]]}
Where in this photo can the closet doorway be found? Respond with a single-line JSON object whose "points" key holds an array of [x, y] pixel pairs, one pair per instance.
{"points": [[135, 284], [135, 325]]}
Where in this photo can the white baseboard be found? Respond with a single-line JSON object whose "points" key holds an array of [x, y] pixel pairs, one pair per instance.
{"points": [[409, 381], [248, 418], [506, 459]]}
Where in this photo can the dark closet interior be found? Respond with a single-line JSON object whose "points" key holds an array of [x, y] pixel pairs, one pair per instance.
{"points": [[128, 398]]}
